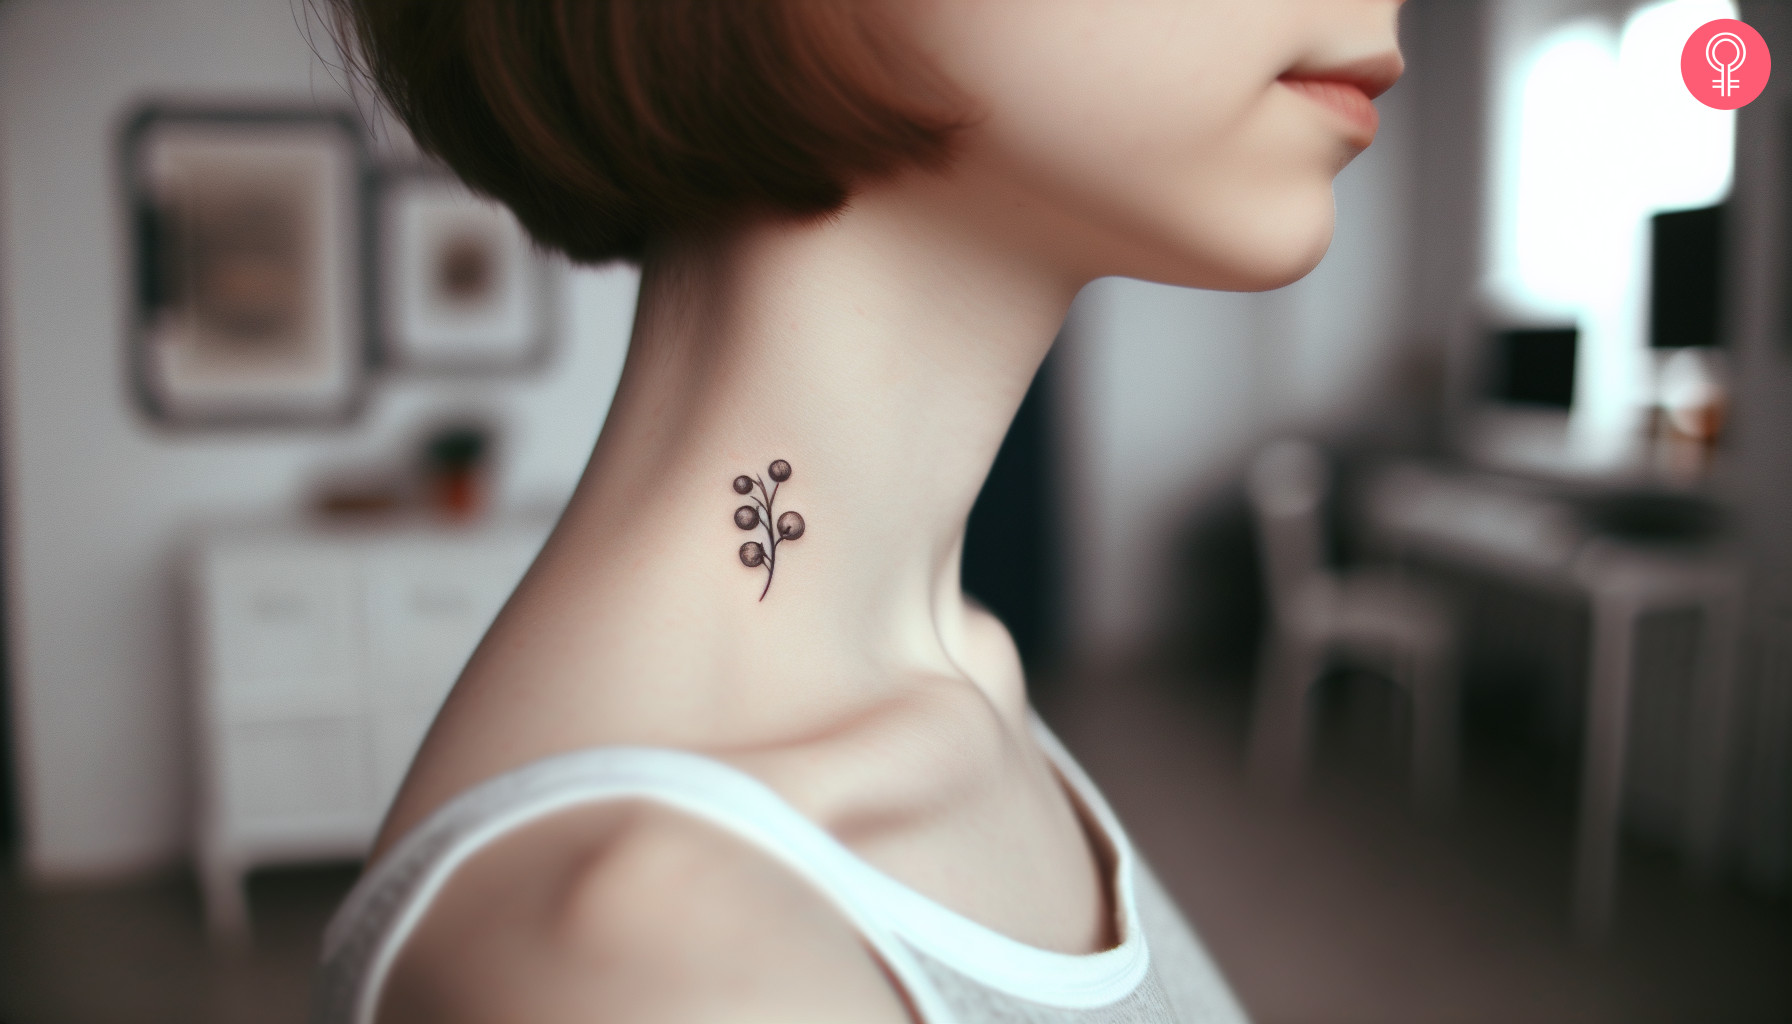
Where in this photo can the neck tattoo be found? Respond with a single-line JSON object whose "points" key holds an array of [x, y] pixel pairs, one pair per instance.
{"points": [[788, 526]]}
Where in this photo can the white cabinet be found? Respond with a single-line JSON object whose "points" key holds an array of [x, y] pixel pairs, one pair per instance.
{"points": [[319, 660]]}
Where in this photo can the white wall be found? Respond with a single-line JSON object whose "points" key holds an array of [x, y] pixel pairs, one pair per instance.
{"points": [[96, 500], [1166, 390]]}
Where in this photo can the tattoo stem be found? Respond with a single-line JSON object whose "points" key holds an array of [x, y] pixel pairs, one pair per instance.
{"points": [[771, 535]]}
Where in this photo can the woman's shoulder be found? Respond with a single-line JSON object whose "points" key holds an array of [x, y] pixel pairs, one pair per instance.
{"points": [[631, 905], [631, 911]]}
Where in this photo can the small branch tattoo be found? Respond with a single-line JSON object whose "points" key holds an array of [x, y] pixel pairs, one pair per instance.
{"points": [[788, 526]]}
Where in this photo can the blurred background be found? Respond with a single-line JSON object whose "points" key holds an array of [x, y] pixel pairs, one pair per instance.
{"points": [[1429, 620]]}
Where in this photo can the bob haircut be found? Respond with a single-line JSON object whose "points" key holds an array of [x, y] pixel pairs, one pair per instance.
{"points": [[606, 124]]}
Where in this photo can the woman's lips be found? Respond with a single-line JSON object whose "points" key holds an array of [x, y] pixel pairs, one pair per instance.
{"points": [[1346, 99]]}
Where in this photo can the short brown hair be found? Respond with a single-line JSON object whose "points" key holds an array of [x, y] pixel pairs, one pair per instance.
{"points": [[605, 123]]}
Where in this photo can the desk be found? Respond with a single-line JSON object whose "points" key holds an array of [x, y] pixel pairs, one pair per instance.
{"points": [[1523, 534]]}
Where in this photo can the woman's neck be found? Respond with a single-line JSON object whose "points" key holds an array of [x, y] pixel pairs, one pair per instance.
{"points": [[882, 354]]}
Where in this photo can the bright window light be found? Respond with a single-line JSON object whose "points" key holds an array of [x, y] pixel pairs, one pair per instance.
{"points": [[1565, 229], [1602, 135], [1682, 153]]}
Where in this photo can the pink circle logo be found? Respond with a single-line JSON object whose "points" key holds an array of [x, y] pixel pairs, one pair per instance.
{"points": [[1725, 64]]}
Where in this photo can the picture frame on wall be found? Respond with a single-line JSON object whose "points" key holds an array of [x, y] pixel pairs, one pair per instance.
{"points": [[250, 230], [462, 286]]}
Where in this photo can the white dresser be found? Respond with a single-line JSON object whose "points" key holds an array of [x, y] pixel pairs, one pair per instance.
{"points": [[320, 657]]}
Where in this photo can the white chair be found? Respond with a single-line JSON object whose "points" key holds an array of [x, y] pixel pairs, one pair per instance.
{"points": [[1373, 618]]}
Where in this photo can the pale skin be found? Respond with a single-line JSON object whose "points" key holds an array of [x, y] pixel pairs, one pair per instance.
{"points": [[883, 352]]}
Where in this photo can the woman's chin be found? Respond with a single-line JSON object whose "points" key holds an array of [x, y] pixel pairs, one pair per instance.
{"points": [[1261, 247], [1256, 262], [1283, 267], [1286, 240]]}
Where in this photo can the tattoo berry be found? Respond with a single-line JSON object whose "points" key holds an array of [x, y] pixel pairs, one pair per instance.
{"points": [[790, 525]]}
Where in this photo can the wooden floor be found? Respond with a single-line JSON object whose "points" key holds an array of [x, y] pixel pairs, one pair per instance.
{"points": [[134, 953], [1344, 905], [1339, 907]]}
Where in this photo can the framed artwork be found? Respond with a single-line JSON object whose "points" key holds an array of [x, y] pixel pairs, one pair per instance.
{"points": [[462, 287], [250, 229]]}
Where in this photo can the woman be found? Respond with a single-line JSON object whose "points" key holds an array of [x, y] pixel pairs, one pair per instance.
{"points": [[739, 748]]}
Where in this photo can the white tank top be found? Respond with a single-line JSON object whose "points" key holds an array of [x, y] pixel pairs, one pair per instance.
{"points": [[950, 967]]}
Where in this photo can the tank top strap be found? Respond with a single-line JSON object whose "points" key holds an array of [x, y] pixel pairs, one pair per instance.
{"points": [[370, 928]]}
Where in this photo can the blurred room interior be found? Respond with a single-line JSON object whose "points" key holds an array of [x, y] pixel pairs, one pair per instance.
{"points": [[1430, 620]]}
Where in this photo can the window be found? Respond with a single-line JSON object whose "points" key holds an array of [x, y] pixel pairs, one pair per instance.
{"points": [[1597, 135]]}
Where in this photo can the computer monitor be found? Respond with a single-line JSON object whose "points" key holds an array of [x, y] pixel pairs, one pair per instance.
{"points": [[1533, 366], [1686, 273], [1518, 421]]}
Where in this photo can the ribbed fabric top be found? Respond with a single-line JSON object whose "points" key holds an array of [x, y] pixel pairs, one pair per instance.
{"points": [[950, 967]]}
